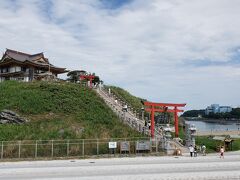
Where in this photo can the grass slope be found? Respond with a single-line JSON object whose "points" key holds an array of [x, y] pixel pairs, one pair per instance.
{"points": [[133, 101], [58, 111]]}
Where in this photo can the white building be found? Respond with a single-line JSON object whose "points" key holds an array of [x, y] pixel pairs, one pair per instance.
{"points": [[215, 108], [224, 109]]}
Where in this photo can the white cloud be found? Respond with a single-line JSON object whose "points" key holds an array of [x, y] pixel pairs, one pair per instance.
{"points": [[142, 46]]}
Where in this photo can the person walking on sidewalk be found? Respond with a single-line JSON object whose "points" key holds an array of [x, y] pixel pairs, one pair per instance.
{"points": [[191, 150], [203, 150], [222, 152], [195, 151]]}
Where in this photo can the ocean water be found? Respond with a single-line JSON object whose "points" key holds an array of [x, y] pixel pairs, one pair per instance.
{"points": [[214, 126]]}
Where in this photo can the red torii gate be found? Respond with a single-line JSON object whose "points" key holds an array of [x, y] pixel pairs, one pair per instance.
{"points": [[88, 78], [163, 107]]}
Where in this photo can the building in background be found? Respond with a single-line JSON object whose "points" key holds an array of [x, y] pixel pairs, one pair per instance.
{"points": [[216, 108], [224, 109], [21, 66]]}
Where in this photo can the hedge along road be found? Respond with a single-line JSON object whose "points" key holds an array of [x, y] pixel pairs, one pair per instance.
{"points": [[184, 167]]}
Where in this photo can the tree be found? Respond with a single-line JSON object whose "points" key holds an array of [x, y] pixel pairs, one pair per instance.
{"points": [[193, 113], [236, 112], [96, 80], [74, 76]]}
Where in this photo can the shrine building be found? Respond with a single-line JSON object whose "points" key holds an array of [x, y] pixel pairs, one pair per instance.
{"points": [[15, 65]]}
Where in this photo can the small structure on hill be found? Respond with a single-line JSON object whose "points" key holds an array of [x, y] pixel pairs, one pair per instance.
{"points": [[84, 78], [88, 78], [15, 65]]}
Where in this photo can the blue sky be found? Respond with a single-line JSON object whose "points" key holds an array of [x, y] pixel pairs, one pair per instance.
{"points": [[182, 51], [113, 4]]}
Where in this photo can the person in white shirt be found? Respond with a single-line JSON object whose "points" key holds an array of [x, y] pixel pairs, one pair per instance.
{"points": [[125, 108], [191, 150], [204, 150]]}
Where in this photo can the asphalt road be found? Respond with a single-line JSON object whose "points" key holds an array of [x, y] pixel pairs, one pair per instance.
{"points": [[139, 168]]}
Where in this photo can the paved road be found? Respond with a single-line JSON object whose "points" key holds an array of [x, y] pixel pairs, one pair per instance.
{"points": [[140, 168]]}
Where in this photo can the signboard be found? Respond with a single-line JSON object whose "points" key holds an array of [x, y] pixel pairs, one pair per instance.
{"points": [[142, 145], [124, 146], [112, 145]]}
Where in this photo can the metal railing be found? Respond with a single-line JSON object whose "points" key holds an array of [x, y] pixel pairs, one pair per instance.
{"points": [[53, 149]]}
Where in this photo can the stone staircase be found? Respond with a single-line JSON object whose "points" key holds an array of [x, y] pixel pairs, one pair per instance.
{"points": [[127, 117], [134, 122]]}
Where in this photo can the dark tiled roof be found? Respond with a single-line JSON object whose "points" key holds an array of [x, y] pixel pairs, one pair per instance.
{"points": [[30, 58], [20, 56]]}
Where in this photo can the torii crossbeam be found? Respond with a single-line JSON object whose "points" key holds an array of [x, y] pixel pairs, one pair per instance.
{"points": [[163, 107], [88, 78]]}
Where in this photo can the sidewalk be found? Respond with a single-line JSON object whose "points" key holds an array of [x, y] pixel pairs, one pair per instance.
{"points": [[214, 154]]}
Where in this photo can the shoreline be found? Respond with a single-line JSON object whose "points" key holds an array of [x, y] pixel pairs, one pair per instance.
{"points": [[212, 120]]}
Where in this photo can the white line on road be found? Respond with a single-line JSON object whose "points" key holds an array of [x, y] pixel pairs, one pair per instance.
{"points": [[207, 167]]}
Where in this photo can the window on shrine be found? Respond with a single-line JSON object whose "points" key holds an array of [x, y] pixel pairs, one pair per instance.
{"points": [[23, 69]]}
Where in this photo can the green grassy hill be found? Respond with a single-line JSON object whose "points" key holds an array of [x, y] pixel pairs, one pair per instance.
{"points": [[58, 111], [133, 101]]}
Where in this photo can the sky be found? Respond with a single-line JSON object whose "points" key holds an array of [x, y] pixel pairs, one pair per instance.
{"points": [[177, 51]]}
